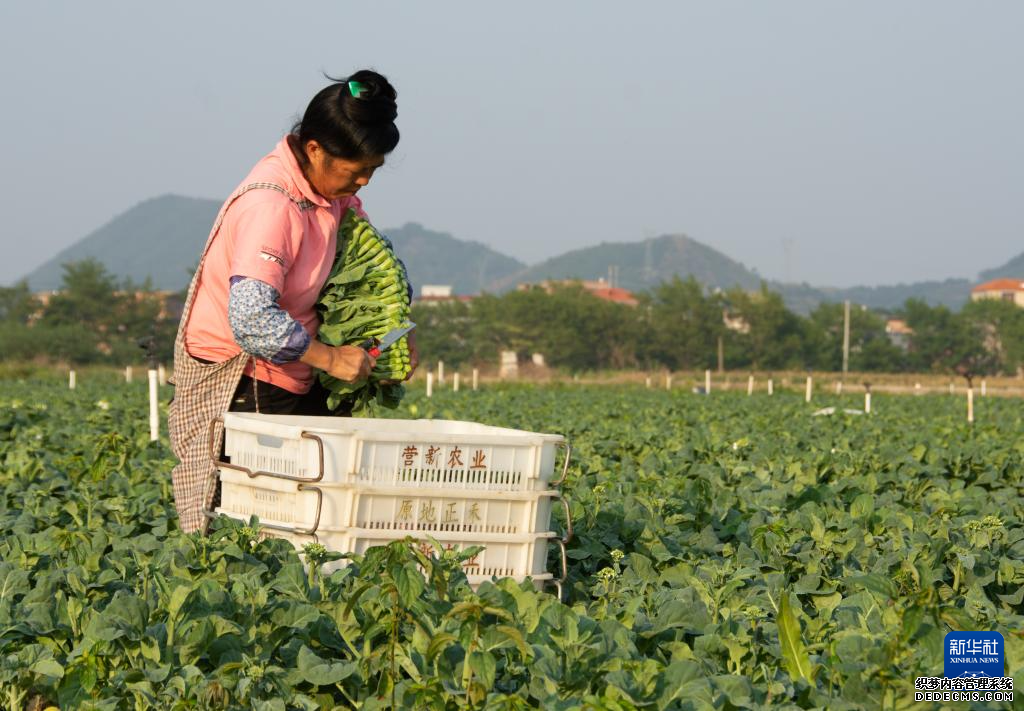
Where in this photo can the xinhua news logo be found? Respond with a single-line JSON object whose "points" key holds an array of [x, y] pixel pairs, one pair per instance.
{"points": [[973, 671], [973, 655]]}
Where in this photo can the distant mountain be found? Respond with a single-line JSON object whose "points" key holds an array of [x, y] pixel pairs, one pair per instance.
{"points": [[803, 298], [1013, 269], [641, 265], [160, 239], [438, 258]]}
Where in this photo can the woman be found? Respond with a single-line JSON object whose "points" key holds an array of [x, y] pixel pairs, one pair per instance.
{"points": [[247, 337]]}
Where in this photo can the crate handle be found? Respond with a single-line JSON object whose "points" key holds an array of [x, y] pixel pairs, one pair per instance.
{"points": [[291, 529], [558, 582], [568, 519], [214, 457], [565, 465], [305, 483], [274, 475]]}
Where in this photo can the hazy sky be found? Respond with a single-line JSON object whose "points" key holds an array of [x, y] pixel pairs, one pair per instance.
{"points": [[874, 142]]}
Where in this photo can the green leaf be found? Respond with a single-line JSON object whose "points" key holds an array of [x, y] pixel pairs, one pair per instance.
{"points": [[689, 614], [685, 679], [825, 604], [39, 660], [295, 615], [409, 582], [517, 638], [484, 667], [794, 654], [438, 643], [291, 580], [862, 506], [317, 670], [13, 581], [875, 583], [736, 689]]}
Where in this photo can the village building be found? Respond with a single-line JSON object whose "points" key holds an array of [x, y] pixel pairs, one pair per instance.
{"points": [[899, 332], [599, 288], [171, 303], [433, 294], [1011, 290], [735, 322]]}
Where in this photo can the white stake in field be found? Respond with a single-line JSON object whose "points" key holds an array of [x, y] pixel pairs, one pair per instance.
{"points": [[154, 405]]}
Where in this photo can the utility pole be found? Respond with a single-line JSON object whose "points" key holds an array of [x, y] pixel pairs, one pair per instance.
{"points": [[721, 356], [846, 337]]}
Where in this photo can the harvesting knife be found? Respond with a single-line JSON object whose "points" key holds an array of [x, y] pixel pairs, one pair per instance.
{"points": [[375, 346]]}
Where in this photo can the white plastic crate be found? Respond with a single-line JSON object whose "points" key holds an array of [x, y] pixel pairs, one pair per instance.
{"points": [[406, 510], [516, 556], [353, 483], [443, 454]]}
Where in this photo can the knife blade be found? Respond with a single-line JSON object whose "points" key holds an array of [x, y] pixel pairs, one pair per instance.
{"points": [[376, 346]]}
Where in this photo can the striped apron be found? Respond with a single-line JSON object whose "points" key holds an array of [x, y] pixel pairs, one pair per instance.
{"points": [[202, 393]]}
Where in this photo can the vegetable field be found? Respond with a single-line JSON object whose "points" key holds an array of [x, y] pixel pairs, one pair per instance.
{"points": [[729, 552]]}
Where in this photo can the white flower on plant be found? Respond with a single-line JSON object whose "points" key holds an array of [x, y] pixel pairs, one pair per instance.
{"points": [[103, 405]]}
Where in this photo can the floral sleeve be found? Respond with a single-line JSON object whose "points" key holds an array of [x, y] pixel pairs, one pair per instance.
{"points": [[260, 326]]}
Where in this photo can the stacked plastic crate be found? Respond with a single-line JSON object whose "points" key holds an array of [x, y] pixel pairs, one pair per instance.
{"points": [[353, 483]]}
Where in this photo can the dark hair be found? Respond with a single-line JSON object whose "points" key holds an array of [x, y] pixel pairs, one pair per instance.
{"points": [[347, 126]]}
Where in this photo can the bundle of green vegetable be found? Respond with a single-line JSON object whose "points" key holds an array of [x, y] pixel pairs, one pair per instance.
{"points": [[366, 295]]}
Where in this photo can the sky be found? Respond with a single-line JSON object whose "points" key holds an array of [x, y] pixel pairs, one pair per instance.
{"points": [[836, 143]]}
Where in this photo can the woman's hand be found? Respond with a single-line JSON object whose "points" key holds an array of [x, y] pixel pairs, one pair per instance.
{"points": [[348, 363]]}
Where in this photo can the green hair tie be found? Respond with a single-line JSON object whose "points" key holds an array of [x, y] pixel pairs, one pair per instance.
{"points": [[358, 88]]}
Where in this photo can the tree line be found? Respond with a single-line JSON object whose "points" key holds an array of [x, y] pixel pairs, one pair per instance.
{"points": [[678, 325], [93, 318]]}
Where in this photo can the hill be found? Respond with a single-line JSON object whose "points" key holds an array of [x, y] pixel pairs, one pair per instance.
{"points": [[641, 265], [161, 239], [1013, 269], [438, 258], [802, 298]]}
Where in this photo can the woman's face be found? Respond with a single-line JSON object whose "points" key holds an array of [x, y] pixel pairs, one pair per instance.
{"points": [[336, 178]]}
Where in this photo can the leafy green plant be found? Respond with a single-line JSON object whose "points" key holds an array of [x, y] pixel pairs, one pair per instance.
{"points": [[729, 553]]}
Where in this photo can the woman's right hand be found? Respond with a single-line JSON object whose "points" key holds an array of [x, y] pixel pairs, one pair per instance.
{"points": [[349, 363]]}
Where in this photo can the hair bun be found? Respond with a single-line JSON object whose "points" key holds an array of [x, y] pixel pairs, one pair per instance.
{"points": [[376, 105], [352, 118]]}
